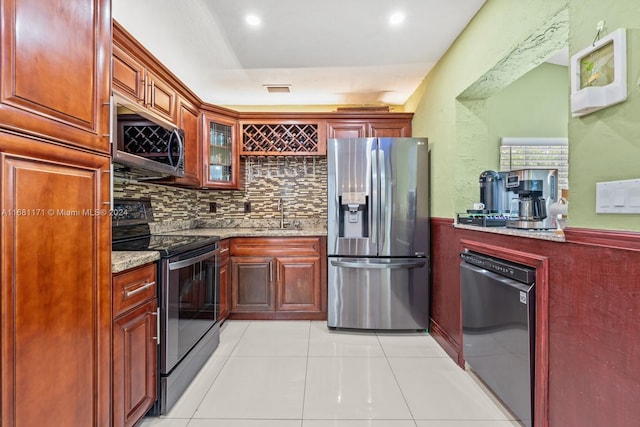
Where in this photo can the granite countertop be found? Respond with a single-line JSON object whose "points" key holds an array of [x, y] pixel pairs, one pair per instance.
{"points": [[531, 234], [225, 233], [124, 260]]}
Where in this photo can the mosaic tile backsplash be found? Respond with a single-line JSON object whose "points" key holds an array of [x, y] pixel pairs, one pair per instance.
{"points": [[300, 184]]}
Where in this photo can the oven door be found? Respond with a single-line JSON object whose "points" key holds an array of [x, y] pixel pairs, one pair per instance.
{"points": [[189, 303]]}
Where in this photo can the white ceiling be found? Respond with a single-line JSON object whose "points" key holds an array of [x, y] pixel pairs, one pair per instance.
{"points": [[331, 52]]}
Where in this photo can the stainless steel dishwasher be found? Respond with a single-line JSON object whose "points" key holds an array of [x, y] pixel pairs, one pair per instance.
{"points": [[498, 328]]}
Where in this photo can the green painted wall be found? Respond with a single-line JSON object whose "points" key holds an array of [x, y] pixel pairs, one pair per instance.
{"points": [[605, 145], [502, 43], [534, 105], [450, 104]]}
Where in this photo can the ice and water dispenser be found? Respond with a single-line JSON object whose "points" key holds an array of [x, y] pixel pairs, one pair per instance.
{"points": [[353, 218]]}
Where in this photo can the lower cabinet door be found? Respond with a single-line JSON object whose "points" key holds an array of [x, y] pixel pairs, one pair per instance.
{"points": [[298, 284], [134, 364], [251, 284]]}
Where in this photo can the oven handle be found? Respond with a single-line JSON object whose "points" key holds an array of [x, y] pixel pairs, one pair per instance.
{"points": [[191, 261]]}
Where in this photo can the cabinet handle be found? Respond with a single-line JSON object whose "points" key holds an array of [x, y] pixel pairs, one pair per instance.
{"points": [[224, 250], [144, 90], [139, 289], [157, 314], [153, 94], [271, 271]]}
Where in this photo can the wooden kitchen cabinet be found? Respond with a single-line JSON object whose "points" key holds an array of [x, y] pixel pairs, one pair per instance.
{"points": [[160, 97], [391, 125], [220, 153], [128, 75], [346, 129], [55, 327], [135, 340], [225, 293], [133, 80], [298, 283], [278, 278], [251, 284], [389, 129], [188, 121], [55, 70], [283, 137]]}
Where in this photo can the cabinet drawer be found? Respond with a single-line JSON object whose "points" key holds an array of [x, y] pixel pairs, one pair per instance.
{"points": [[275, 246], [133, 287]]}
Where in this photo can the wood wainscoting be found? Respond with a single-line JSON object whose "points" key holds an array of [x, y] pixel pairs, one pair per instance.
{"points": [[593, 369]]}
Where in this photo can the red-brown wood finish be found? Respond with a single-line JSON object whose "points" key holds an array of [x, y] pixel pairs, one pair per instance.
{"points": [[225, 285], [128, 75], [297, 279], [593, 317], [56, 285], [234, 182], [134, 364], [188, 120], [346, 129], [278, 278], [389, 129], [160, 97], [375, 126], [134, 344], [134, 287], [252, 284], [55, 70]]}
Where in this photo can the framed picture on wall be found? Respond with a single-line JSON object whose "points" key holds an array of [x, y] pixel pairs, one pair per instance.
{"points": [[599, 74]]}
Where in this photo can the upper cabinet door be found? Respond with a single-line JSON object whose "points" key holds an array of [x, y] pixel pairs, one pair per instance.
{"points": [[160, 97], [55, 69], [220, 154], [390, 129], [128, 75], [346, 129]]}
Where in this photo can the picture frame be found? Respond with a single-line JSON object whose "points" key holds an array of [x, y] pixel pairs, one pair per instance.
{"points": [[599, 74]]}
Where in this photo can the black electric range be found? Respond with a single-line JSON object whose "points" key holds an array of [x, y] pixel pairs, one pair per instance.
{"points": [[188, 282], [131, 231]]}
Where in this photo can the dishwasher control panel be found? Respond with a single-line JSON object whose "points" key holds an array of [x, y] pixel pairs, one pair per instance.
{"points": [[505, 268]]}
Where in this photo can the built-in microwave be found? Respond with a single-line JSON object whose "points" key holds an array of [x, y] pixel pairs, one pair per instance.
{"points": [[143, 143]]}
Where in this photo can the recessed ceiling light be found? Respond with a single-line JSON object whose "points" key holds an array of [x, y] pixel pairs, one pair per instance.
{"points": [[396, 18], [253, 20]]}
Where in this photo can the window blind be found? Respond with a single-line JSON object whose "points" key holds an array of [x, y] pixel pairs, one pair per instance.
{"points": [[536, 153]]}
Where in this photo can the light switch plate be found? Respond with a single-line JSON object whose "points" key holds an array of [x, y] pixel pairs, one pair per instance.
{"points": [[618, 197]]}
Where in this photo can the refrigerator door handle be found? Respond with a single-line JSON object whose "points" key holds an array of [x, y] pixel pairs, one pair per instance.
{"points": [[383, 199], [373, 203], [396, 264]]}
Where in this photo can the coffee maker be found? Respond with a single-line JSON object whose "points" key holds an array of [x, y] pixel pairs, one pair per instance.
{"points": [[536, 191], [493, 193]]}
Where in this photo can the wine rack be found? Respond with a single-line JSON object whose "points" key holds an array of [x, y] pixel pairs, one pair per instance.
{"points": [[281, 139]]}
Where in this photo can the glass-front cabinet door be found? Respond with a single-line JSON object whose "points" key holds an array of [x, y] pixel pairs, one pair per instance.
{"points": [[220, 152]]}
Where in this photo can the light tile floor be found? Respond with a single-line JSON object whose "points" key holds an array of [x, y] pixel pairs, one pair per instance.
{"points": [[301, 374]]}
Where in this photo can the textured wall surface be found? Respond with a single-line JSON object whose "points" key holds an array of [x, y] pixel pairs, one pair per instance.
{"points": [[504, 41], [301, 184]]}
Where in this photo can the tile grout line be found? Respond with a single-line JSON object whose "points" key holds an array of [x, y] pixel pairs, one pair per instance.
{"points": [[404, 398], [218, 374], [306, 373]]}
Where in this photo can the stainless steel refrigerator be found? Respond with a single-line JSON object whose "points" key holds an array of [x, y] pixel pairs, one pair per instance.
{"points": [[378, 233]]}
